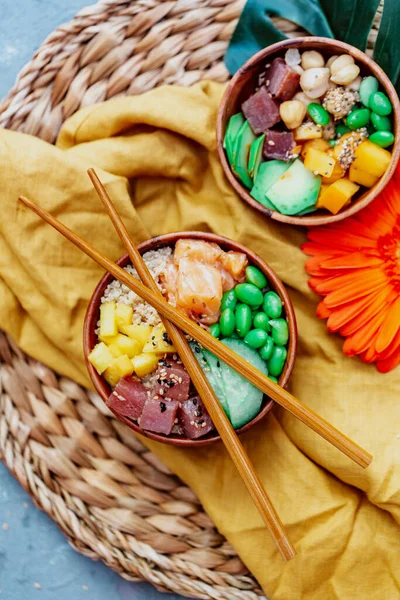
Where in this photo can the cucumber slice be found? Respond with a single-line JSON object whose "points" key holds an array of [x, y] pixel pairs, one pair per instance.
{"points": [[244, 399], [241, 149], [255, 156], [268, 173], [296, 190], [212, 368], [235, 123]]}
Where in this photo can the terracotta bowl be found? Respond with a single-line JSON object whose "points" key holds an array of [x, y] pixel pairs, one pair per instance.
{"points": [[244, 83], [92, 316]]}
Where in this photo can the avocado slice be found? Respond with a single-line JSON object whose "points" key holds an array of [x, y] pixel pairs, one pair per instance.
{"points": [[255, 156], [296, 190], [241, 149], [268, 173], [234, 124]]}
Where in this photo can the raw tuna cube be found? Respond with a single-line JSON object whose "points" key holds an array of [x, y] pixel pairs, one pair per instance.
{"points": [[159, 415], [194, 418], [281, 80], [261, 111], [128, 398], [279, 145], [173, 381]]}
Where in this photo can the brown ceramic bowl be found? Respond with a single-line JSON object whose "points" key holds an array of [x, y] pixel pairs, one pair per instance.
{"points": [[244, 83], [92, 316]]}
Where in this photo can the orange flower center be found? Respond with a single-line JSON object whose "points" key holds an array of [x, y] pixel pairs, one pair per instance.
{"points": [[389, 249]]}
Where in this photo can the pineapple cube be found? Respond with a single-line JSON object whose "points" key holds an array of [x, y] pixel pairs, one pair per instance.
{"points": [[107, 339], [108, 324], [127, 345], [140, 333], [307, 131], [158, 341], [143, 364], [372, 158], [362, 177], [115, 350], [337, 195], [118, 368], [337, 173], [319, 163], [317, 144], [100, 357], [123, 315]]}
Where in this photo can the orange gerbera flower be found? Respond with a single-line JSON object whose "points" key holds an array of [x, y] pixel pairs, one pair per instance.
{"points": [[355, 265]]}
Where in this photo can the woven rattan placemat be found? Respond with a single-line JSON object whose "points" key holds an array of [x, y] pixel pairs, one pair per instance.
{"points": [[114, 500]]}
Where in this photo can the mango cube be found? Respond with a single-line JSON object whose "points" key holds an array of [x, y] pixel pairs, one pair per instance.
{"points": [[123, 315], [317, 144], [127, 345], [100, 357], [118, 368], [336, 195], [140, 333], [319, 163], [108, 324], [307, 131], [337, 173], [362, 177], [143, 364], [372, 158], [158, 341], [321, 190]]}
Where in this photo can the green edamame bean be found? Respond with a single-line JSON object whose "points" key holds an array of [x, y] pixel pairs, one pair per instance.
{"points": [[382, 138], [272, 378], [215, 330], [341, 129], [381, 123], [249, 294], [276, 363], [369, 86], [380, 104], [243, 319], [280, 331], [229, 300], [358, 118], [268, 348], [318, 114], [256, 338], [272, 305], [256, 277], [261, 321], [227, 322]]}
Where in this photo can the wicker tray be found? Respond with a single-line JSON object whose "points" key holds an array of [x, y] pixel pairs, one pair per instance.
{"points": [[113, 498]]}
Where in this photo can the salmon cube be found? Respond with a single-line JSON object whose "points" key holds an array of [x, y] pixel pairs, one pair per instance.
{"points": [[128, 398], [206, 252], [159, 415], [199, 287], [194, 418], [235, 264]]}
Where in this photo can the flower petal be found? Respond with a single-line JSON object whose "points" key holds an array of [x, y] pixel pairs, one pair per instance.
{"points": [[389, 327], [362, 338], [345, 313], [355, 260]]}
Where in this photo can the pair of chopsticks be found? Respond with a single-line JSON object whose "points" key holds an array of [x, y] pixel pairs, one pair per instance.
{"points": [[175, 321]]}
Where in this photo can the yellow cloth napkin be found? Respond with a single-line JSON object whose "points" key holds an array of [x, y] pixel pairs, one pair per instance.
{"points": [[157, 155]]}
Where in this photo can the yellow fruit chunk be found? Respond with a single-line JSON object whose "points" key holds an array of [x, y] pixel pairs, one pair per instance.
{"points": [[143, 364], [317, 144], [123, 315], [118, 368], [100, 357], [337, 173], [115, 350], [362, 177], [336, 195], [127, 345], [321, 190], [307, 131], [140, 333], [372, 158], [108, 324], [107, 339], [158, 341], [319, 163]]}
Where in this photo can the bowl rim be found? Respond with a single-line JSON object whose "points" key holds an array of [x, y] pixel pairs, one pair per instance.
{"points": [[369, 196], [169, 239]]}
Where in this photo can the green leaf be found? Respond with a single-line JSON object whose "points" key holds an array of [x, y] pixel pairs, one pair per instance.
{"points": [[387, 48], [256, 30], [351, 20]]}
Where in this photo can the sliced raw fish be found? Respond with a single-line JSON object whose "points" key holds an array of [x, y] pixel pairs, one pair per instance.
{"points": [[279, 145], [172, 380], [159, 415], [169, 282], [281, 80], [261, 111], [199, 287], [228, 281], [194, 418], [128, 398], [205, 252], [235, 264]]}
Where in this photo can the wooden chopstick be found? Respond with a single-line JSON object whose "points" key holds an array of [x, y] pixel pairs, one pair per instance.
{"points": [[273, 390], [201, 383]]}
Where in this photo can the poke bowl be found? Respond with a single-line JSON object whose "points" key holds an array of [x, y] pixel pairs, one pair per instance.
{"points": [[308, 131], [228, 290]]}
